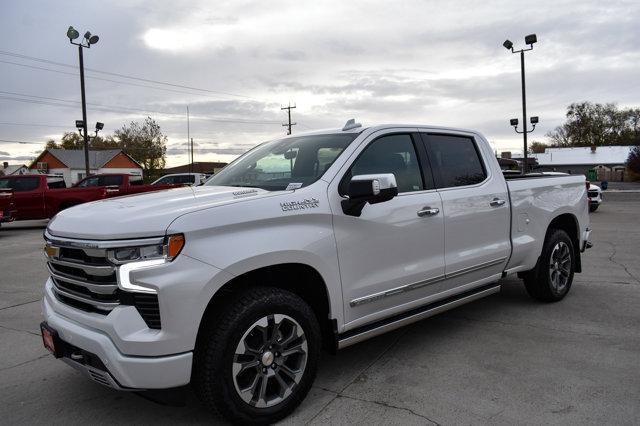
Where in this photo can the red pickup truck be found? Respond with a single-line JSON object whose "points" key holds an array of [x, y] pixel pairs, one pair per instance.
{"points": [[7, 205], [120, 184], [42, 196]]}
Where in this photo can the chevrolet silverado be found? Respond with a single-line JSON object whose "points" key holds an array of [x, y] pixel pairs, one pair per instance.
{"points": [[315, 240]]}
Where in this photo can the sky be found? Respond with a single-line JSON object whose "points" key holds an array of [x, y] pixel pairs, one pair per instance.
{"points": [[234, 64]]}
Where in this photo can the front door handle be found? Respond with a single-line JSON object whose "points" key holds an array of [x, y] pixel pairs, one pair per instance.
{"points": [[497, 202], [428, 211]]}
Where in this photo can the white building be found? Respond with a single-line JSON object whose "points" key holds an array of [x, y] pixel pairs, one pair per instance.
{"points": [[69, 163], [13, 169], [607, 161]]}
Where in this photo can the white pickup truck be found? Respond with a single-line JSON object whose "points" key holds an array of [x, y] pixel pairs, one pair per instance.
{"points": [[321, 239]]}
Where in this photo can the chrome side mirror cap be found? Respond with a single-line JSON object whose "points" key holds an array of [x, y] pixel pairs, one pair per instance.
{"points": [[372, 189]]}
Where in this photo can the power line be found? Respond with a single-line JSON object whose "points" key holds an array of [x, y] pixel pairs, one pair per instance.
{"points": [[46, 100], [146, 80], [109, 80], [7, 123]]}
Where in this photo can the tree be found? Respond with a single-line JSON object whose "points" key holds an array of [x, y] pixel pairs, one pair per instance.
{"points": [[145, 143], [590, 124], [633, 161], [536, 147]]}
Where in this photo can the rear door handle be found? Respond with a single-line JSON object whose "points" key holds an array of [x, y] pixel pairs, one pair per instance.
{"points": [[428, 211], [497, 202]]}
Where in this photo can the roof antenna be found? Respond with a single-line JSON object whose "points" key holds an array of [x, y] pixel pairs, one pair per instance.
{"points": [[351, 124]]}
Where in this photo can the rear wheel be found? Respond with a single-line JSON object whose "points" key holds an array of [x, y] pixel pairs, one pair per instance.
{"points": [[552, 277], [256, 362]]}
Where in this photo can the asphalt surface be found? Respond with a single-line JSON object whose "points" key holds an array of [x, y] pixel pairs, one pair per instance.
{"points": [[502, 360]]}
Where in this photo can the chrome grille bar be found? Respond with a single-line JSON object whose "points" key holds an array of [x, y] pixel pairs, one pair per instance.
{"points": [[97, 270], [95, 288], [104, 306]]}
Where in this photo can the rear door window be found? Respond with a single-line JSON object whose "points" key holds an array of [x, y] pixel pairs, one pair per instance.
{"points": [[455, 160], [111, 180], [21, 184]]}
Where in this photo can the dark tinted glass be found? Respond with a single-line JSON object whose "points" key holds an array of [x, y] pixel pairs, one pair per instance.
{"points": [[455, 161], [90, 182], [56, 184], [185, 179], [111, 180], [389, 154], [20, 184]]}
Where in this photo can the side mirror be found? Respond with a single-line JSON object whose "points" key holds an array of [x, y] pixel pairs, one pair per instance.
{"points": [[370, 189]]}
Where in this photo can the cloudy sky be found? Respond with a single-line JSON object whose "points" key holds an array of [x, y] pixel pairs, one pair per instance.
{"points": [[235, 63]]}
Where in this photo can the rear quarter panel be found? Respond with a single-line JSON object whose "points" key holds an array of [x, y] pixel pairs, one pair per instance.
{"points": [[535, 203]]}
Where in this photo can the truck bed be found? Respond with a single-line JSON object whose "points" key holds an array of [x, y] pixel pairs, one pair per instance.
{"points": [[535, 199]]}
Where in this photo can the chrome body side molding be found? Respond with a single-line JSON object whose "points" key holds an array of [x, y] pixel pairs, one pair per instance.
{"points": [[408, 287]]}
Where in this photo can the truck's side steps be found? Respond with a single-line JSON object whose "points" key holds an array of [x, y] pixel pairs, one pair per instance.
{"points": [[357, 335]]}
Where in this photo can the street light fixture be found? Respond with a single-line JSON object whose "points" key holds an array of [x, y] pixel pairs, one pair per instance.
{"points": [[85, 43], [530, 40]]}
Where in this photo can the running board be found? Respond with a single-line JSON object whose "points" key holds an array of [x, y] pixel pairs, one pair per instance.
{"points": [[371, 330]]}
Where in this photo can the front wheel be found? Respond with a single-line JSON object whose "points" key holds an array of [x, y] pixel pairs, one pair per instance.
{"points": [[551, 279], [593, 207], [257, 361]]}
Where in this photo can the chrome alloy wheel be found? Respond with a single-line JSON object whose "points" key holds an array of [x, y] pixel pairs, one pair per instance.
{"points": [[560, 267], [270, 360]]}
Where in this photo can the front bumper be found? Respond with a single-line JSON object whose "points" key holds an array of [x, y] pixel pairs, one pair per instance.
{"points": [[115, 369]]}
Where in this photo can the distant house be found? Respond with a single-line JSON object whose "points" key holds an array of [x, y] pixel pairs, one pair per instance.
{"points": [[13, 169], [70, 164], [606, 162], [199, 167]]}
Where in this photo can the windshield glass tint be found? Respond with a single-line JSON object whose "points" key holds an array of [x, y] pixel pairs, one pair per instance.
{"points": [[276, 164]]}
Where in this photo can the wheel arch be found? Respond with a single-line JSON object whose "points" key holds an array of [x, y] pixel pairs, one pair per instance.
{"points": [[568, 222], [301, 279]]}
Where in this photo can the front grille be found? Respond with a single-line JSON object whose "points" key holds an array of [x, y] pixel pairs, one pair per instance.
{"points": [[85, 279], [592, 194]]}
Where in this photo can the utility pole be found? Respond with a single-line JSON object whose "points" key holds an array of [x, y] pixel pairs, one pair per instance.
{"points": [[289, 124]]}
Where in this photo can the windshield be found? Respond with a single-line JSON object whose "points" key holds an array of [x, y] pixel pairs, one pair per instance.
{"points": [[284, 163]]}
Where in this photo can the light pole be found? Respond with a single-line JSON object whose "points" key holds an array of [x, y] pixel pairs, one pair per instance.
{"points": [[530, 40], [86, 42], [81, 125]]}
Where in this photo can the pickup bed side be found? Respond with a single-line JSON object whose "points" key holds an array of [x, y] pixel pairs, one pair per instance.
{"points": [[536, 203]]}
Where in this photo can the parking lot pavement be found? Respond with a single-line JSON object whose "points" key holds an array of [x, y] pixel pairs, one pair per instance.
{"points": [[504, 359]]}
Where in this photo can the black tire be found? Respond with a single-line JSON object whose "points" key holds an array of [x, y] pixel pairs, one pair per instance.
{"points": [[539, 282], [213, 375], [593, 207]]}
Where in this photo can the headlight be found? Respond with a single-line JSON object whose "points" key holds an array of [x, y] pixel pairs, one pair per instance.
{"points": [[168, 251]]}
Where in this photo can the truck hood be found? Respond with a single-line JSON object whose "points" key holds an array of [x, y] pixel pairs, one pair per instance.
{"points": [[144, 215]]}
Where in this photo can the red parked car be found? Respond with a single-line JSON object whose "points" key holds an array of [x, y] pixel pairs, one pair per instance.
{"points": [[120, 184], [42, 196]]}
